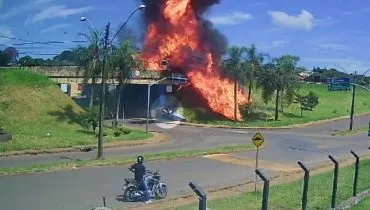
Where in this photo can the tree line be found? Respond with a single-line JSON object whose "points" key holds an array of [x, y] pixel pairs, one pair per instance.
{"points": [[277, 78]]}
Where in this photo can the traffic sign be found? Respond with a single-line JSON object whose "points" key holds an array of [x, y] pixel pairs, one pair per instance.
{"points": [[339, 84], [258, 139]]}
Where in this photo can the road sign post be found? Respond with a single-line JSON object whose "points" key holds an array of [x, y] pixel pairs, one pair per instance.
{"points": [[257, 140]]}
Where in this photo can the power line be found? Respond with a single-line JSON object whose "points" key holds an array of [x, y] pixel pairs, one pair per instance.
{"points": [[25, 41]]}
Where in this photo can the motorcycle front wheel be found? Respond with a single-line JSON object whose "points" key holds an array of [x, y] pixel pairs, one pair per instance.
{"points": [[129, 194], [161, 191]]}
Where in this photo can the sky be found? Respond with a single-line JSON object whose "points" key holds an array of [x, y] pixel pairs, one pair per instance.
{"points": [[323, 33]]}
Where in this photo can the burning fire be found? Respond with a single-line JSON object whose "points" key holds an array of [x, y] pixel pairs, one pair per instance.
{"points": [[179, 34]]}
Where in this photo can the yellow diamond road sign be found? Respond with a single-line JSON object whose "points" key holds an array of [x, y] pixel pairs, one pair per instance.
{"points": [[258, 139]]}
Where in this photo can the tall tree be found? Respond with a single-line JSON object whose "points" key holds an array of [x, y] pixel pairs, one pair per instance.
{"points": [[122, 61], [279, 77], [90, 59], [4, 58], [255, 60], [236, 68], [13, 54]]}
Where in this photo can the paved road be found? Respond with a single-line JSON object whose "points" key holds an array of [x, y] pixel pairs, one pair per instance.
{"points": [[185, 138], [82, 189]]}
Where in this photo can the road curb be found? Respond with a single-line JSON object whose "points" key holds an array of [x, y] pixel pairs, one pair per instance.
{"points": [[156, 139]]}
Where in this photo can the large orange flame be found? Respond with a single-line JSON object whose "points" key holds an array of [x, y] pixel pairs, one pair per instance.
{"points": [[177, 37]]}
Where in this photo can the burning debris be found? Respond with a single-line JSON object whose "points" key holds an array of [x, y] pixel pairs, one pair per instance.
{"points": [[183, 38]]}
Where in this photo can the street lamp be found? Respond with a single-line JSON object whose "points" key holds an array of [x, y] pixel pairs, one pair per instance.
{"points": [[141, 7], [148, 102], [107, 44], [84, 19]]}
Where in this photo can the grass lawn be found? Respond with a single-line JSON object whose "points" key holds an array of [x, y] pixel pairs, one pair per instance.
{"points": [[32, 106], [288, 196], [123, 160], [363, 205], [331, 105]]}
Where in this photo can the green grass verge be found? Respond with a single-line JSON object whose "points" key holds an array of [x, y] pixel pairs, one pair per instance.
{"points": [[351, 133], [32, 106], [363, 205], [288, 196], [122, 160], [331, 105]]}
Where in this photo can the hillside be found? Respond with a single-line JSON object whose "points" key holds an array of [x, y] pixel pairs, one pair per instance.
{"points": [[32, 107]]}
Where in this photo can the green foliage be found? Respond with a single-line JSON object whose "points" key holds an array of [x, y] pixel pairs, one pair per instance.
{"points": [[234, 66], [23, 77], [122, 61], [125, 130], [280, 77], [307, 102], [288, 195], [92, 117], [4, 58]]}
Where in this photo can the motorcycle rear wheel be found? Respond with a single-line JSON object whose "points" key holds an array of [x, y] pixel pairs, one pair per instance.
{"points": [[161, 191]]}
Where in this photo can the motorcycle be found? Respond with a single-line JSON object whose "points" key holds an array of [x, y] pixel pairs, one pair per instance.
{"points": [[156, 188]]}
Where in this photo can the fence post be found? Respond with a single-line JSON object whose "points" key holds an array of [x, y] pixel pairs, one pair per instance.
{"points": [[305, 184], [335, 181], [356, 173], [202, 196], [266, 189]]}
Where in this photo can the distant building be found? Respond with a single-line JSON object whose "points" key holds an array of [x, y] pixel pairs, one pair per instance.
{"points": [[304, 75]]}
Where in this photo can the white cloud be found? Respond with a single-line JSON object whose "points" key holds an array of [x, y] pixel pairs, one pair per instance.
{"points": [[56, 11], [5, 31], [234, 18], [265, 46], [305, 20], [23, 8], [348, 13], [55, 27]]}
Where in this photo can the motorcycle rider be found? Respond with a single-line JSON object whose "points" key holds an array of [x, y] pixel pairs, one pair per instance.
{"points": [[140, 170]]}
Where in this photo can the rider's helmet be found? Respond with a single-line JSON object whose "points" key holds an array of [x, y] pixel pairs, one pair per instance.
{"points": [[140, 159]]}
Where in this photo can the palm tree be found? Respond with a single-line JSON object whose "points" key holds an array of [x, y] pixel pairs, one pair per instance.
{"points": [[236, 68], [255, 61], [122, 61], [91, 61], [279, 77]]}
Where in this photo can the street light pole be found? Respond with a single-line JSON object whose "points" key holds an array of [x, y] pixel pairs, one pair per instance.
{"points": [[102, 94], [125, 23], [352, 106]]}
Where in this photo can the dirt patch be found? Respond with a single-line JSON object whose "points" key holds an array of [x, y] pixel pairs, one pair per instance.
{"points": [[229, 191], [250, 162]]}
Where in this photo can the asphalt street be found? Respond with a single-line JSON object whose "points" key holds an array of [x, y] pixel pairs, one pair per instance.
{"points": [[84, 188]]}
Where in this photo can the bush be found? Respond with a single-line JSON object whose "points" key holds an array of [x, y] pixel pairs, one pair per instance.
{"points": [[308, 102], [117, 133], [125, 131]]}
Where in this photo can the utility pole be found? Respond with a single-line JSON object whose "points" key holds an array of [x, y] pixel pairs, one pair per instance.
{"points": [[102, 94], [353, 105]]}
